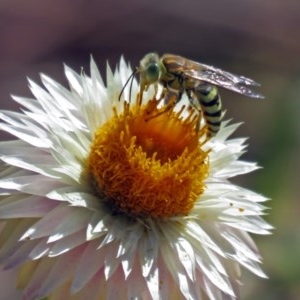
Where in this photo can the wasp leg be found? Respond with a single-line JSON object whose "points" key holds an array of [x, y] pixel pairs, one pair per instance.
{"points": [[194, 106], [172, 100], [170, 97]]}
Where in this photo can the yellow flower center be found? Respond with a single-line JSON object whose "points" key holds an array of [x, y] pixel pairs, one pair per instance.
{"points": [[148, 162]]}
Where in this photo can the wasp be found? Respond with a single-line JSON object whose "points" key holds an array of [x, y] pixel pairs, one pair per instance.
{"points": [[180, 75]]}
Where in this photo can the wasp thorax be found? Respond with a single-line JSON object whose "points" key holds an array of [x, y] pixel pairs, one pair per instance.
{"points": [[147, 162]]}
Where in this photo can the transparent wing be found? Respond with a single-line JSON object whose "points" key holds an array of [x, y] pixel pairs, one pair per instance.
{"points": [[225, 80], [215, 76]]}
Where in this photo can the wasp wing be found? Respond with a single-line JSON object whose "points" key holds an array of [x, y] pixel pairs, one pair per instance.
{"points": [[215, 76], [225, 80]]}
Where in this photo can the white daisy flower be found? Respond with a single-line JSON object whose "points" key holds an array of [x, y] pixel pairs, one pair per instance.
{"points": [[105, 199]]}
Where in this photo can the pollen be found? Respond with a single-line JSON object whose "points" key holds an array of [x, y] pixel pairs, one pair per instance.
{"points": [[148, 161]]}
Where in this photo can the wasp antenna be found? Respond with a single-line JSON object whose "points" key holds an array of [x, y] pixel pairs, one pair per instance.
{"points": [[131, 83], [127, 81]]}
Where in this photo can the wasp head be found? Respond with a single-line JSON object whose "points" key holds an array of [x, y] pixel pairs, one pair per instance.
{"points": [[149, 70]]}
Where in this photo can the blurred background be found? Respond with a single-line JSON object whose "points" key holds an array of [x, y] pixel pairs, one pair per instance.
{"points": [[256, 38]]}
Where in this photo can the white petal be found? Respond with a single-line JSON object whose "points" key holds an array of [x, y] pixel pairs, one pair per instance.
{"points": [[14, 231], [236, 168], [111, 262], [175, 268], [98, 225], [70, 145], [62, 96], [214, 276], [226, 131], [73, 222], [168, 288], [95, 74], [148, 250], [19, 256], [117, 280], [93, 290], [91, 261], [154, 284], [34, 166], [75, 197], [186, 255], [40, 250], [41, 272], [74, 81], [63, 267], [27, 184], [31, 104], [251, 224], [21, 148], [66, 244], [136, 284], [21, 206], [46, 225], [28, 135], [196, 231]]}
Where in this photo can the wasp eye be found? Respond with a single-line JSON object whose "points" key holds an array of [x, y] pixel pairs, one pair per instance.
{"points": [[152, 72]]}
